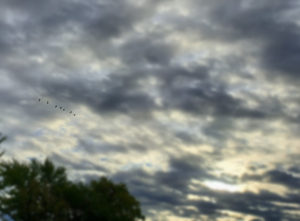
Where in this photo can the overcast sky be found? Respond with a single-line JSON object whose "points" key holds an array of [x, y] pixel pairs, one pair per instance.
{"points": [[194, 104]]}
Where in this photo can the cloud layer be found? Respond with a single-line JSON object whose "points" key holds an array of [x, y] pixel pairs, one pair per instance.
{"points": [[194, 104]]}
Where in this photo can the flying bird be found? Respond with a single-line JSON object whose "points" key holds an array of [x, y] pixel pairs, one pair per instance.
{"points": [[56, 106]]}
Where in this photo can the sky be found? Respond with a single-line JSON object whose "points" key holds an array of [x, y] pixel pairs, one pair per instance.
{"points": [[194, 105]]}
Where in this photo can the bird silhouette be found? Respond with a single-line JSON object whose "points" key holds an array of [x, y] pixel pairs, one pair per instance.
{"points": [[56, 106]]}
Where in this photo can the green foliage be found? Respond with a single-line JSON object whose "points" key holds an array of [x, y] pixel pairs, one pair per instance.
{"points": [[41, 192]]}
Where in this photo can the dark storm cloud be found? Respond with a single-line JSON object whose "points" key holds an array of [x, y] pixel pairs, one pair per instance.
{"points": [[295, 169], [100, 19], [187, 138], [207, 95], [147, 50], [152, 189], [107, 20], [92, 146], [263, 22], [247, 203], [276, 177], [6, 38], [117, 100], [207, 99], [45, 29], [113, 95], [34, 22], [112, 19], [44, 49], [163, 189], [78, 164], [123, 92], [281, 177], [169, 190], [181, 171]]}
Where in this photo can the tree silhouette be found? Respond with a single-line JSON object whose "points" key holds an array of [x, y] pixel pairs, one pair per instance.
{"points": [[41, 192]]}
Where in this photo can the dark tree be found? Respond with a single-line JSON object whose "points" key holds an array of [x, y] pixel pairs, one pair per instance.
{"points": [[41, 192]]}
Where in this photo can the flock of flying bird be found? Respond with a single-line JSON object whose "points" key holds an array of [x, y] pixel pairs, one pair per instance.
{"points": [[60, 107]]}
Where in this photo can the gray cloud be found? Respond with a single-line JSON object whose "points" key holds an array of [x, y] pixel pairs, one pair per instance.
{"points": [[147, 50], [277, 177], [93, 146], [154, 191], [174, 92], [76, 165], [263, 22]]}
